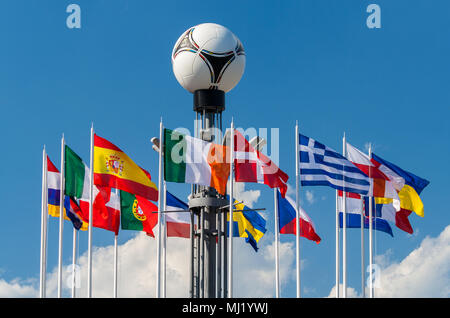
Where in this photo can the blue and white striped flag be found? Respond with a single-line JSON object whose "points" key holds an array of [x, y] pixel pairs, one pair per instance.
{"points": [[322, 166]]}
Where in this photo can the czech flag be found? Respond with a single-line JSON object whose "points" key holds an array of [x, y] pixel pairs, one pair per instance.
{"points": [[287, 219]]}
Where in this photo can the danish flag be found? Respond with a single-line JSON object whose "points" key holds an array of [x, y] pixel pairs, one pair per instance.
{"points": [[253, 166]]}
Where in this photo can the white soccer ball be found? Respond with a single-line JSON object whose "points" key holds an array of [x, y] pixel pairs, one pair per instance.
{"points": [[208, 56]]}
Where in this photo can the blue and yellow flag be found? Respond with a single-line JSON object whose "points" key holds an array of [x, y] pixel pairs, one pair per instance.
{"points": [[248, 224]]}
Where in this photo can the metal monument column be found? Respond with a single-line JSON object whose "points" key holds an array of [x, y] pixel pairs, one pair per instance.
{"points": [[206, 205]]}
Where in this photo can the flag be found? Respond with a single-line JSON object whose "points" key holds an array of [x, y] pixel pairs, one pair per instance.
{"points": [[114, 169], [105, 207], [382, 186], [137, 213], [287, 219], [73, 212], [386, 205], [193, 160], [54, 188], [251, 165], [76, 175], [178, 224], [247, 223], [411, 185], [354, 206], [322, 166], [71, 209]]}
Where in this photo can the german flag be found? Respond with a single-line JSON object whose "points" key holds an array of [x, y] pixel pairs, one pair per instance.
{"points": [[113, 168]]}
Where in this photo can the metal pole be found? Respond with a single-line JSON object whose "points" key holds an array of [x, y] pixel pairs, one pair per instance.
{"points": [[371, 290], [158, 248], [164, 243], [74, 261], [338, 269], [61, 219], [116, 259], [44, 222], [277, 261], [230, 236], [91, 221], [297, 210], [363, 292], [344, 230]]}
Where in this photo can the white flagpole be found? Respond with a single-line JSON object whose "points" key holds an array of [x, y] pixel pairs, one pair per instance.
{"points": [[371, 291], [277, 254], [363, 285], [344, 231], [297, 209], [338, 269], [61, 218], [160, 190], [91, 203], [116, 259], [74, 260], [164, 251], [44, 222], [230, 223]]}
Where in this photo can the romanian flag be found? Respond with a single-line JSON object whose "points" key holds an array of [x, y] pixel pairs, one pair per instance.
{"points": [[409, 185], [114, 169]]}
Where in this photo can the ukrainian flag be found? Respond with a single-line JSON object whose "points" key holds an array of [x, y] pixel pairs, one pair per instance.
{"points": [[247, 223]]}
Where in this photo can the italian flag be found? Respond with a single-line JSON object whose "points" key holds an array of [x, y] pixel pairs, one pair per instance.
{"points": [[137, 213], [193, 160]]}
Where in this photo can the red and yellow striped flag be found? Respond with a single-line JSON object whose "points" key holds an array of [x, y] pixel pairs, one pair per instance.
{"points": [[113, 168]]}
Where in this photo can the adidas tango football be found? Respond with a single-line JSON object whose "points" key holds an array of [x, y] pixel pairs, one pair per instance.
{"points": [[208, 56]]}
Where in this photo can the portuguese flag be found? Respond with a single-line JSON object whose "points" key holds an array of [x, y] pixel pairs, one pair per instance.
{"points": [[136, 213], [193, 160]]}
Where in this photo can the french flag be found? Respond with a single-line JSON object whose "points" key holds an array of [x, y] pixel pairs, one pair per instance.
{"points": [[178, 223], [287, 219]]}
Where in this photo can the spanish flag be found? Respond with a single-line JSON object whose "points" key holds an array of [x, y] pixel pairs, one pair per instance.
{"points": [[114, 169]]}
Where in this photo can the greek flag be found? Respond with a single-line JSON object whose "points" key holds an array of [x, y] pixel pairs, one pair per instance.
{"points": [[322, 166]]}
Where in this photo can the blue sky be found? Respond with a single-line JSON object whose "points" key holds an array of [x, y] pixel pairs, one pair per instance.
{"points": [[311, 61]]}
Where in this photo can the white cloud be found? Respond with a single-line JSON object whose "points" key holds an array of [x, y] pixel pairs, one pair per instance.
{"points": [[17, 289], [351, 292], [425, 272], [310, 196]]}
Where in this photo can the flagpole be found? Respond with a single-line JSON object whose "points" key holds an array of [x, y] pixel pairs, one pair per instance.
{"points": [[363, 291], [164, 241], [44, 222], [344, 230], [91, 221], [338, 269], [277, 260], [61, 218], [160, 190], [230, 227], [297, 210], [116, 258], [371, 291], [74, 260]]}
